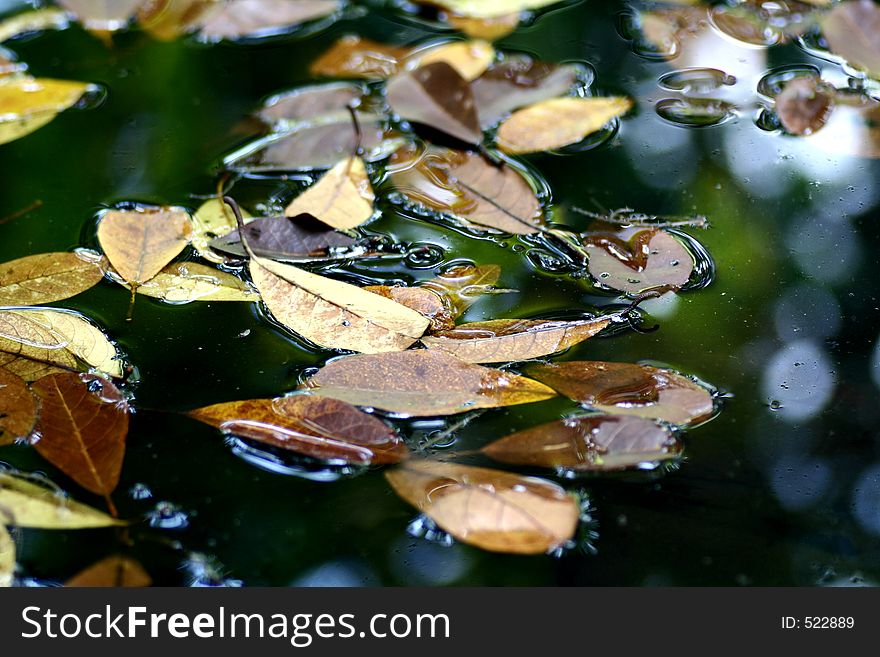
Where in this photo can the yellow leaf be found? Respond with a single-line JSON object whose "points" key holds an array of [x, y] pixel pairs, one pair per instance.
{"points": [[492, 29], [557, 122], [114, 571], [183, 282], [27, 103], [212, 219], [491, 8], [56, 337], [7, 558], [334, 314], [26, 504], [469, 58], [45, 278], [342, 198], [37, 20]]}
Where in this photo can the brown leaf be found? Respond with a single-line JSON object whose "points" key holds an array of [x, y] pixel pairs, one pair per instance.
{"points": [[462, 285], [628, 389], [469, 58], [436, 95], [342, 198], [585, 444], [420, 299], [467, 187], [82, 429], [139, 243], [115, 571], [45, 278], [422, 382], [509, 340], [634, 260], [102, 15], [485, 28], [25, 368], [322, 428], [168, 19], [804, 105], [356, 57], [489, 509], [238, 19], [283, 238], [306, 103], [334, 314], [213, 219], [853, 31], [18, 408]]}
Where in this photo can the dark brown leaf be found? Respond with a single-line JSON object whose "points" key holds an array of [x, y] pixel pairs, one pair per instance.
{"points": [[18, 408], [283, 238], [804, 105], [237, 19], [307, 103], [853, 31], [115, 571]]}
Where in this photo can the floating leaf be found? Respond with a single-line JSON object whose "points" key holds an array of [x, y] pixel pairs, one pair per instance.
{"points": [[557, 122], [469, 58], [356, 57], [804, 105], [489, 509], [139, 243], [420, 299], [27, 103], [45, 278], [322, 428], [26, 504], [55, 337], [342, 198], [490, 8], [114, 571], [637, 259], [853, 32], [509, 340], [82, 429], [492, 29], [467, 187], [102, 15], [283, 238], [306, 103], [25, 368], [422, 382], [853, 127], [628, 389], [585, 444], [334, 314], [168, 19], [37, 20], [213, 219], [7, 558], [238, 19], [436, 95], [184, 282], [18, 408], [462, 285]]}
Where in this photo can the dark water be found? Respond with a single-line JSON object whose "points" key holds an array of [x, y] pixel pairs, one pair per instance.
{"points": [[783, 488]]}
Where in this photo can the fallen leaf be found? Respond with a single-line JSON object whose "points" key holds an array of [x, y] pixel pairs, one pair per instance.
{"points": [[56, 337], [102, 15], [27, 103], [25, 504], [306, 103], [184, 282], [462, 285], [469, 58], [82, 429], [489, 509], [422, 382], [356, 57], [26, 369], [491, 29], [852, 29], [168, 19], [286, 238], [467, 187], [7, 558], [637, 259], [804, 105], [115, 571], [628, 389], [45, 278], [139, 243], [518, 81], [510, 340], [9, 65], [437, 96], [490, 8], [342, 198], [36, 20], [853, 127], [239, 19], [422, 300], [334, 314], [322, 428], [558, 122], [594, 443], [212, 220], [18, 408]]}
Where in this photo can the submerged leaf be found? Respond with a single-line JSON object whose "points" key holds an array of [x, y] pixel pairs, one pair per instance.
{"points": [[184, 282], [584, 444], [462, 285], [629, 389], [322, 428], [82, 428], [422, 382], [334, 314], [7, 558], [114, 571], [27, 103], [102, 15], [342, 198], [285, 238], [18, 408], [45, 278], [489, 509], [853, 31], [509, 340], [356, 57], [804, 105], [26, 504], [557, 122], [238, 19]]}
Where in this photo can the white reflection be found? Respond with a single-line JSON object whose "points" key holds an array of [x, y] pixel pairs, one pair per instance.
{"points": [[422, 563], [827, 250], [799, 380], [342, 574], [875, 364], [806, 311], [866, 500]]}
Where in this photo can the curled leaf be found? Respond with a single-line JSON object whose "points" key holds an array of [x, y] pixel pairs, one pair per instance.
{"points": [[45, 278], [489, 509], [285, 238], [422, 382], [24, 503], [343, 197], [18, 408], [115, 571], [7, 558]]}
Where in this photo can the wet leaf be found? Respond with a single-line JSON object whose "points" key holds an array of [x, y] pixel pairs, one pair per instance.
{"points": [[55, 337], [634, 260], [184, 282], [7, 558], [238, 19], [469, 58], [139, 243], [27, 369], [82, 428], [168, 19], [491, 29], [853, 127], [804, 105], [853, 31], [462, 285], [18, 408], [114, 571], [37, 20], [467, 187], [629, 389], [342, 198], [510, 340], [102, 15], [422, 382], [489, 509], [491, 8], [356, 57], [27, 103], [519, 81], [322, 428], [594, 443], [420, 299], [306, 103], [334, 314], [25, 504], [284, 238], [436, 95], [45, 278], [213, 219], [557, 122]]}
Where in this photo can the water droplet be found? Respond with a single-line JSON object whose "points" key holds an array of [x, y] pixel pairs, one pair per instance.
{"points": [[140, 492], [166, 515], [699, 81], [775, 405]]}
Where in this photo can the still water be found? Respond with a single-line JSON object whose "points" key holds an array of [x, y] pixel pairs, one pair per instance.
{"points": [[782, 488]]}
